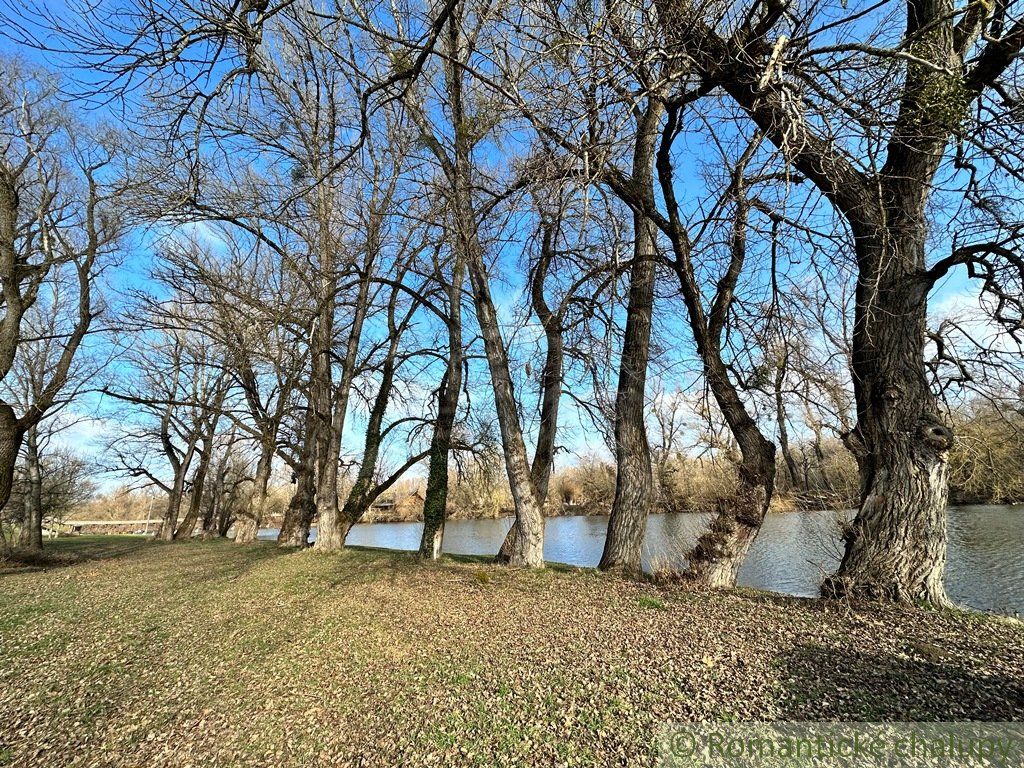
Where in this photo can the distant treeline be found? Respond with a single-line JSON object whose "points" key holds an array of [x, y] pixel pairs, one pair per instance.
{"points": [[986, 467]]}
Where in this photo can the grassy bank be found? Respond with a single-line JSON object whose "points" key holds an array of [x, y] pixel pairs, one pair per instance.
{"points": [[204, 653]]}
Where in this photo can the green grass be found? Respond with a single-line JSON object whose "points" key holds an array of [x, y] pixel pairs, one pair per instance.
{"points": [[207, 653], [653, 603]]}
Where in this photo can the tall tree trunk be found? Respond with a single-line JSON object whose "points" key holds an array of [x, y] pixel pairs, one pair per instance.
{"points": [[332, 538], [211, 515], [321, 402], [188, 523], [550, 384], [528, 543], [634, 483], [195, 502], [212, 510], [435, 502], [184, 530], [298, 517], [365, 491], [176, 492], [551, 375], [226, 516], [215, 529], [175, 496], [329, 535], [32, 530], [896, 546], [170, 517], [716, 559], [247, 526], [12, 433]]}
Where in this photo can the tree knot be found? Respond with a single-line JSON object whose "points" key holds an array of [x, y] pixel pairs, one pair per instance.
{"points": [[935, 434]]}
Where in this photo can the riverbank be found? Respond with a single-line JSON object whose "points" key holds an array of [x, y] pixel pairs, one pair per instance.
{"points": [[413, 512], [791, 555], [207, 653]]}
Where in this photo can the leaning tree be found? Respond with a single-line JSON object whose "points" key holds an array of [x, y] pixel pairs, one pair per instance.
{"points": [[887, 123]]}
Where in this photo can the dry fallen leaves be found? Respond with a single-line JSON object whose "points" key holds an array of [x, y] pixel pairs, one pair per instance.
{"points": [[208, 654]]}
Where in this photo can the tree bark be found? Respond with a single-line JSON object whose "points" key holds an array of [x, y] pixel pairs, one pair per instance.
{"points": [[212, 507], [435, 502], [180, 466], [328, 527], [12, 433], [174, 498], [551, 384], [716, 559], [528, 544], [170, 518], [896, 546], [209, 428], [551, 375], [634, 483], [298, 517], [226, 516], [247, 526], [528, 541], [14, 303], [321, 403], [32, 530], [188, 523], [333, 530], [334, 427]]}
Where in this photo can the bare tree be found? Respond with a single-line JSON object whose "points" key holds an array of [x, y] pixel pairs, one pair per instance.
{"points": [[634, 495], [455, 156], [42, 333], [178, 391], [917, 95], [255, 308], [57, 212]]}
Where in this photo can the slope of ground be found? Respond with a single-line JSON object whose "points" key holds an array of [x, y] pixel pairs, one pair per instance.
{"points": [[206, 653]]}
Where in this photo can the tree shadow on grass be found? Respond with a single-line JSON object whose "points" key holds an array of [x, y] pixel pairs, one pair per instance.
{"points": [[72, 550], [357, 564], [62, 552], [921, 683]]}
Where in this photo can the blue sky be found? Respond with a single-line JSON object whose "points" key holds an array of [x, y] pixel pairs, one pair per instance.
{"points": [[954, 293]]}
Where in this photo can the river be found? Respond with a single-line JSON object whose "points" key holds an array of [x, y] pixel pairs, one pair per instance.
{"points": [[791, 554]]}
